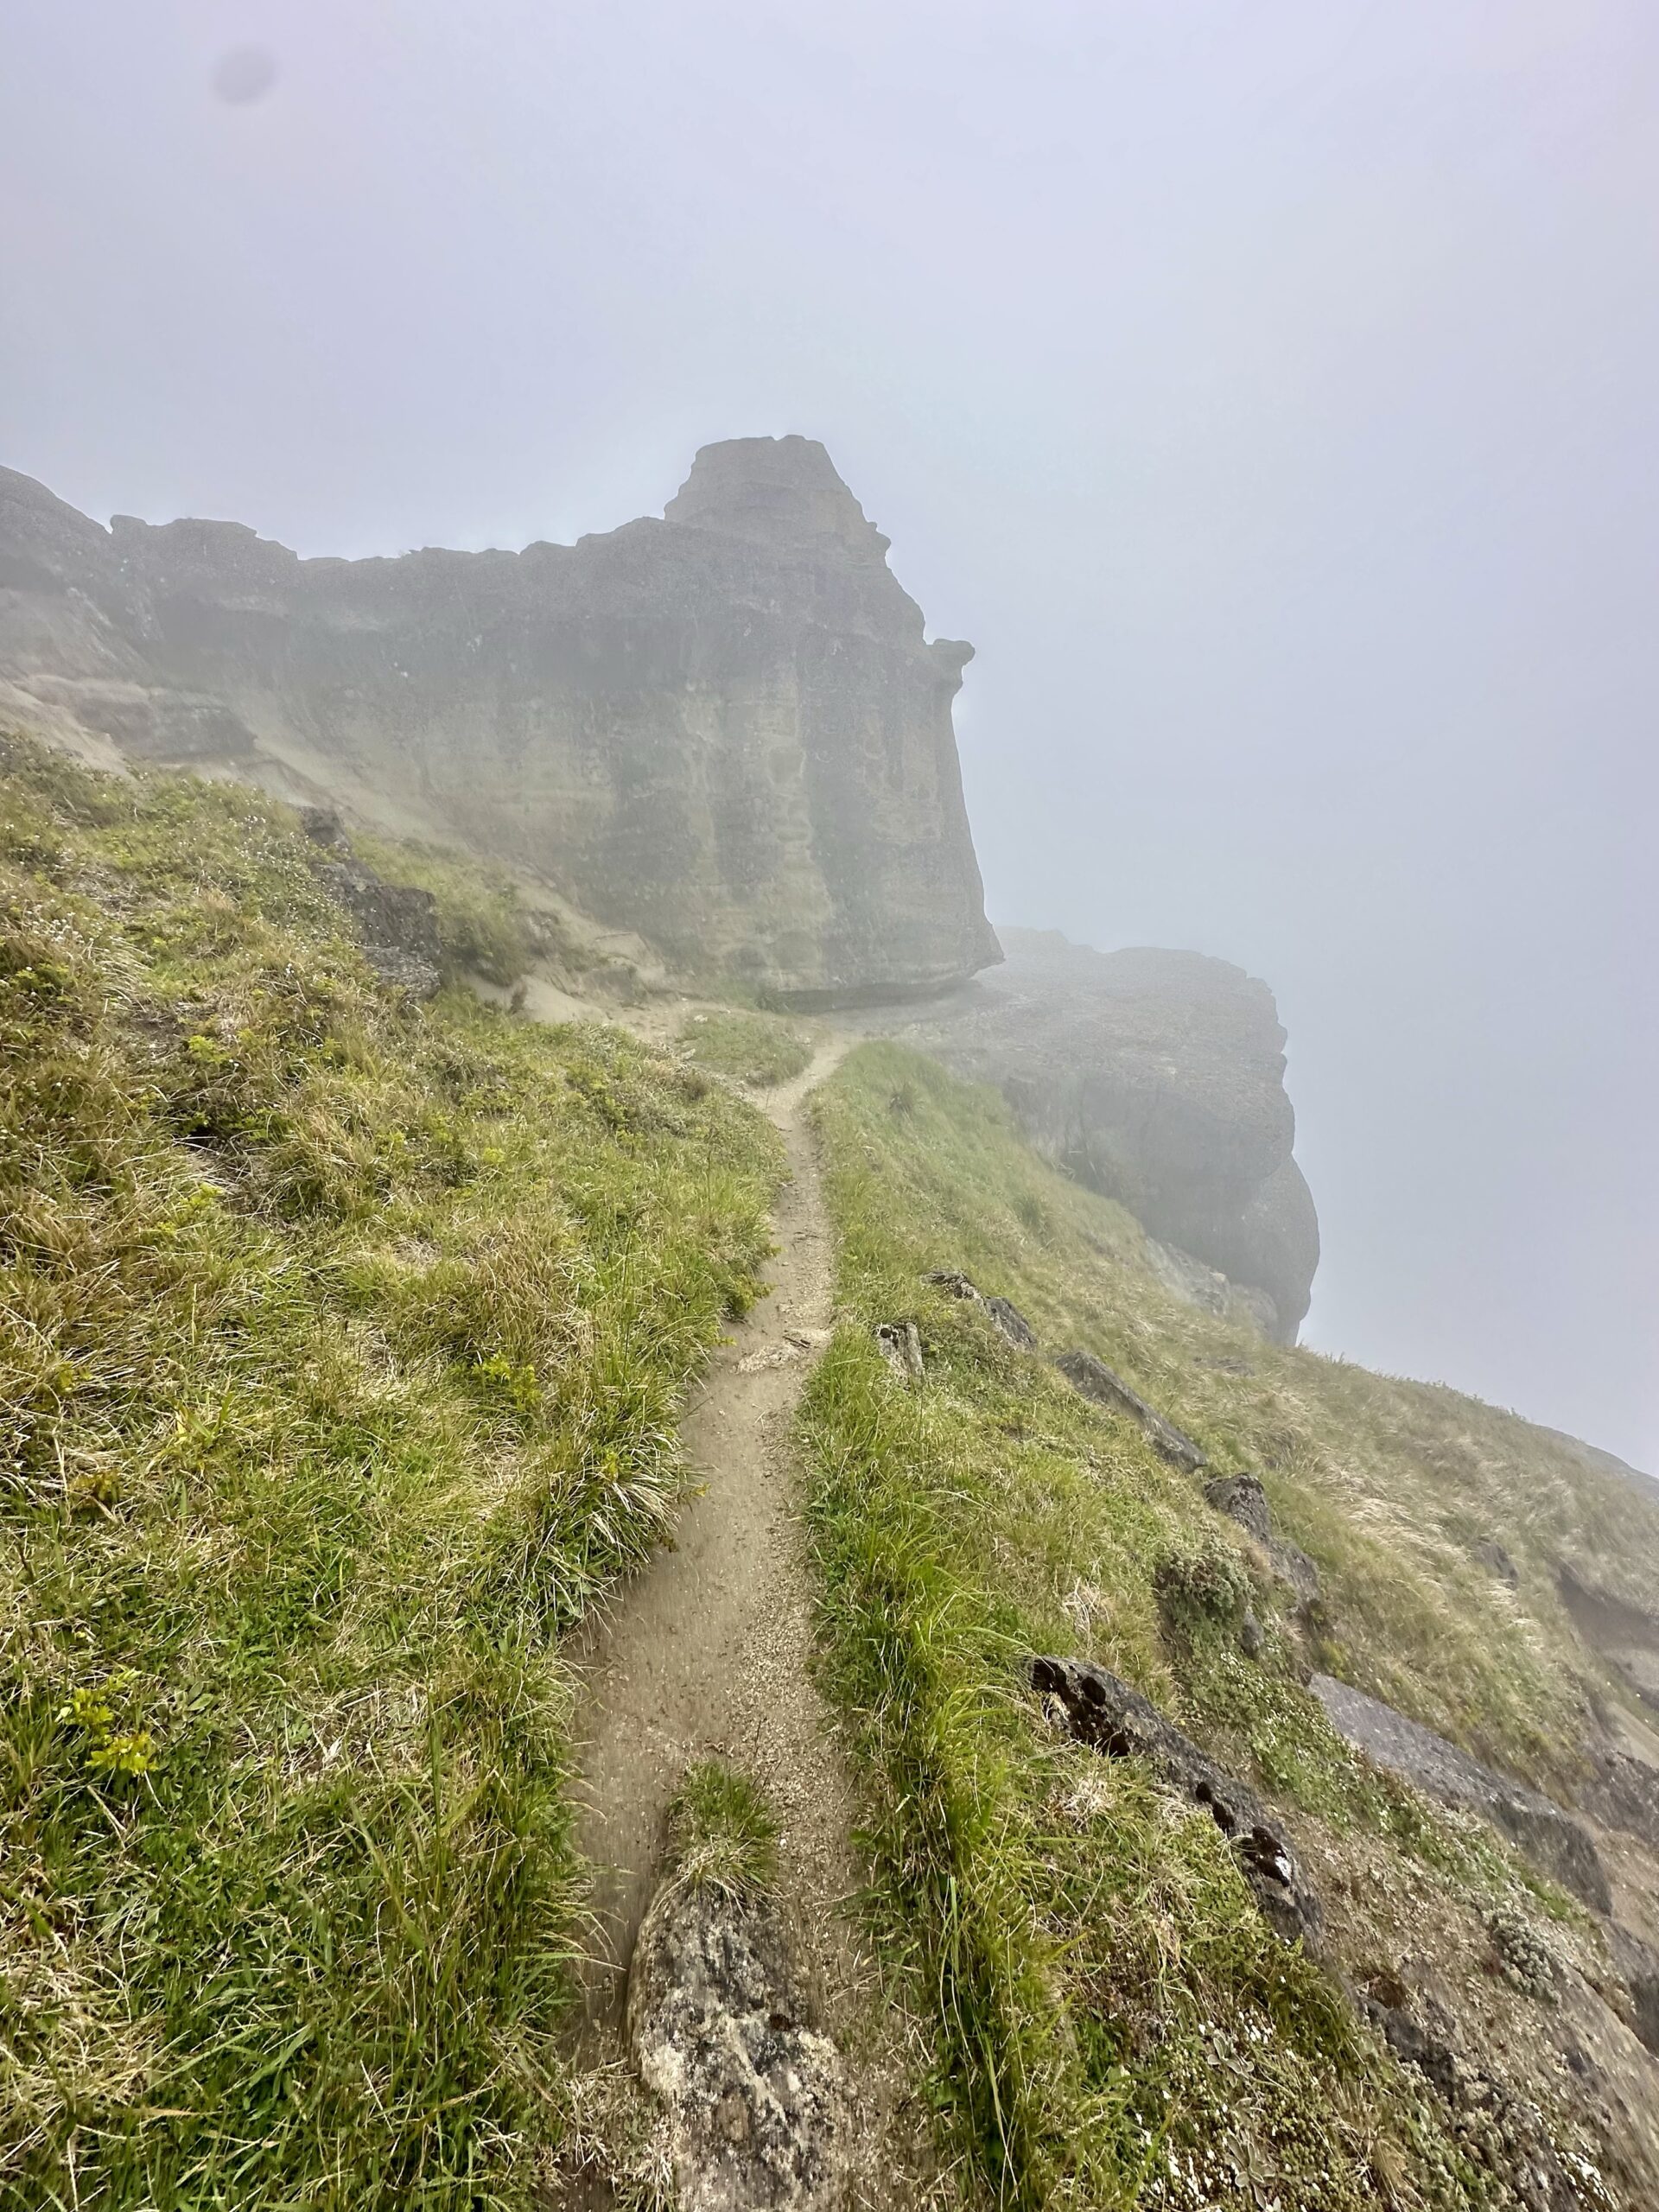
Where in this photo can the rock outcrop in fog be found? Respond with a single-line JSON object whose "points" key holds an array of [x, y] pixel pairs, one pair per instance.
{"points": [[724, 729], [1157, 1078]]}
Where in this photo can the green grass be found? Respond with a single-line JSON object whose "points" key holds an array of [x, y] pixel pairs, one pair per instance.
{"points": [[759, 1049], [342, 1344], [1117, 2023], [723, 1835], [483, 928]]}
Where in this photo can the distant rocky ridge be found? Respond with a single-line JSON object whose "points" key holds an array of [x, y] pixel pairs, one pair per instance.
{"points": [[722, 732], [724, 729], [1157, 1078]]}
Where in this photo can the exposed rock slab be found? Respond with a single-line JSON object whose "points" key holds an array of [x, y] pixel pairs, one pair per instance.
{"points": [[397, 923], [1003, 1315], [1555, 1843], [725, 729], [1091, 1378], [1104, 1711], [1241, 1498], [1626, 1636], [1157, 1078], [755, 2099], [1499, 2131]]}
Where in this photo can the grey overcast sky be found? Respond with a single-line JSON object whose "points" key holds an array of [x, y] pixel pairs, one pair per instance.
{"points": [[1267, 387]]}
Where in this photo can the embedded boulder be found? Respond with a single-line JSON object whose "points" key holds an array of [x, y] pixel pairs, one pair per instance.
{"points": [[1241, 1498], [1101, 1711], [755, 2099], [724, 729], [1092, 1379], [1003, 1315]]}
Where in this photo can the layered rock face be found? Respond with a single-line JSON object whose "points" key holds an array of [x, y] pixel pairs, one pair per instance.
{"points": [[1157, 1078], [724, 729]]}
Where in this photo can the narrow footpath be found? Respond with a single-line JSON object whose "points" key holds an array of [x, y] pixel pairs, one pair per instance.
{"points": [[706, 1649]]}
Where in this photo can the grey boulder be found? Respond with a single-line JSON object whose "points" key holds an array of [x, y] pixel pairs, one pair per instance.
{"points": [[754, 2099]]}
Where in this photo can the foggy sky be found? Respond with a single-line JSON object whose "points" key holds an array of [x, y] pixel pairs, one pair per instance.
{"points": [[1267, 387]]}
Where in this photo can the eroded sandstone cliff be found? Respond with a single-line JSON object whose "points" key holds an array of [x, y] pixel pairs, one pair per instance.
{"points": [[724, 729], [1158, 1078]]}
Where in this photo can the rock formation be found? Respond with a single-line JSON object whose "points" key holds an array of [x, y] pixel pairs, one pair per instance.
{"points": [[1157, 1078], [724, 729], [1555, 1843], [1100, 1709], [1091, 1378], [755, 2099]]}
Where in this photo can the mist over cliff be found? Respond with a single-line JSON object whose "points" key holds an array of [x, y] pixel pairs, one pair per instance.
{"points": [[725, 728]]}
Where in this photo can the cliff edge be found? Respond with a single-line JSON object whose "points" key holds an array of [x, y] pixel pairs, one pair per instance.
{"points": [[1157, 1078], [725, 729]]}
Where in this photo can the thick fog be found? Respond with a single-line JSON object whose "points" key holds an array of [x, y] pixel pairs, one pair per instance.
{"points": [[1267, 387]]}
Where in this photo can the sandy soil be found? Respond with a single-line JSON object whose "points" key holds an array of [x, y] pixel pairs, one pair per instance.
{"points": [[708, 1650]]}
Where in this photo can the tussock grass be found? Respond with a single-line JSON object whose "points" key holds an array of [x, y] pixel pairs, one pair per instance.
{"points": [[342, 1344], [759, 1049], [483, 927], [722, 1834], [1117, 2023]]}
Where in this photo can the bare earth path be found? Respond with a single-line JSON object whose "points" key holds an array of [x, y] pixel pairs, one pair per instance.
{"points": [[706, 1649]]}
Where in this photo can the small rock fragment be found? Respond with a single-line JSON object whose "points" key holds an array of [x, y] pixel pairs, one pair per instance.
{"points": [[901, 1347], [1013, 1323]]}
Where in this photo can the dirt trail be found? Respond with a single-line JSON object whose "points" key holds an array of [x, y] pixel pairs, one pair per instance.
{"points": [[706, 1649]]}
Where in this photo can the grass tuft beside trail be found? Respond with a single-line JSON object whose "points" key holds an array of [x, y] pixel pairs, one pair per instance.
{"points": [[1116, 2025], [759, 1049], [722, 1834], [342, 1343]]}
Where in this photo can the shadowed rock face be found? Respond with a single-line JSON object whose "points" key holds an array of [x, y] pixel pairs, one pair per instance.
{"points": [[1158, 1078], [724, 729]]}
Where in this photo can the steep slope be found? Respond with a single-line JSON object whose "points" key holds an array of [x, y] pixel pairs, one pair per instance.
{"points": [[1095, 1895], [342, 1341], [723, 729]]}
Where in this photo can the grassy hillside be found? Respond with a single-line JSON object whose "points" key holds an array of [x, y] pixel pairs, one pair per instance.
{"points": [[759, 1049], [1117, 2025], [342, 1342]]}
